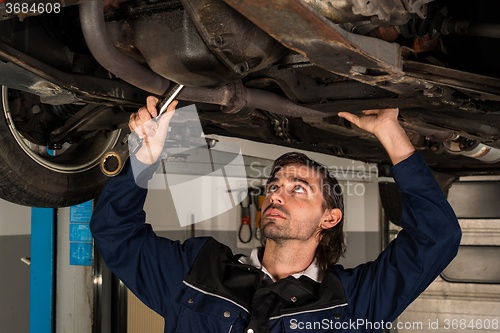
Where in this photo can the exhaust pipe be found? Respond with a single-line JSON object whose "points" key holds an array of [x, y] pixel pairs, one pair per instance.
{"points": [[103, 50]]}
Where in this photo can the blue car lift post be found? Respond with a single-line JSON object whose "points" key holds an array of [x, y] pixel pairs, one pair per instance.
{"points": [[42, 270]]}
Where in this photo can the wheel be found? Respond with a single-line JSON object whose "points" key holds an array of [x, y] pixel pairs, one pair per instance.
{"points": [[30, 174]]}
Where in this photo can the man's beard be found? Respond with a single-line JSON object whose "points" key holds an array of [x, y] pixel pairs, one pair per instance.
{"points": [[269, 229]]}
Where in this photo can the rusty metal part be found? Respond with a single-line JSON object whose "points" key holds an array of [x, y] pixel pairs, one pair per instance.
{"points": [[338, 11], [325, 44], [239, 44], [395, 12], [389, 34], [388, 12], [360, 58]]}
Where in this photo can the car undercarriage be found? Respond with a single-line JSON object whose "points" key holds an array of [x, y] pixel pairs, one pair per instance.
{"points": [[267, 71]]}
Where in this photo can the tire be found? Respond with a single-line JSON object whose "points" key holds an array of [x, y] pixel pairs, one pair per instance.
{"points": [[30, 176]]}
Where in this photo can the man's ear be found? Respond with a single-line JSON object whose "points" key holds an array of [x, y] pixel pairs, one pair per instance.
{"points": [[330, 218]]}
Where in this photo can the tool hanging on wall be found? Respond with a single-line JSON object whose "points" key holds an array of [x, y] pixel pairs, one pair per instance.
{"points": [[259, 199], [245, 223], [258, 196]]}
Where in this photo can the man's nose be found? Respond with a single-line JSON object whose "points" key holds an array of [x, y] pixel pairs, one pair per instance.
{"points": [[277, 196]]}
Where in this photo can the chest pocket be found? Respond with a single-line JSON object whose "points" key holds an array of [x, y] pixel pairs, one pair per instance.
{"points": [[329, 320], [206, 313]]}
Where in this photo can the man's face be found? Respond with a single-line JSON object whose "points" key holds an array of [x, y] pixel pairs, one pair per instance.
{"points": [[293, 206]]}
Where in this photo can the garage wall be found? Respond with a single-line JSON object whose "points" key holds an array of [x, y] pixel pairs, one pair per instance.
{"points": [[15, 229]]}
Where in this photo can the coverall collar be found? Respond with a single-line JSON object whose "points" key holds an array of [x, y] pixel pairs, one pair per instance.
{"points": [[313, 271]]}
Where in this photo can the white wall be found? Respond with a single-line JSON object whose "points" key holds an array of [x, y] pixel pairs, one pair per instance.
{"points": [[14, 219], [15, 229]]}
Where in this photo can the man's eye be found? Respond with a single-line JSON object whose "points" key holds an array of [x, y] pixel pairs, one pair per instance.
{"points": [[272, 188], [299, 189]]}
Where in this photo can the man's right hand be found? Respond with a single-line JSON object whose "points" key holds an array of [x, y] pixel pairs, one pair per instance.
{"points": [[383, 123], [153, 132]]}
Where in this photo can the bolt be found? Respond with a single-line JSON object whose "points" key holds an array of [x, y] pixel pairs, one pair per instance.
{"points": [[55, 146], [219, 41], [35, 109]]}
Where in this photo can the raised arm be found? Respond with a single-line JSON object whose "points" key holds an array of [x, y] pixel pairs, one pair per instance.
{"points": [[382, 289], [152, 267]]}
